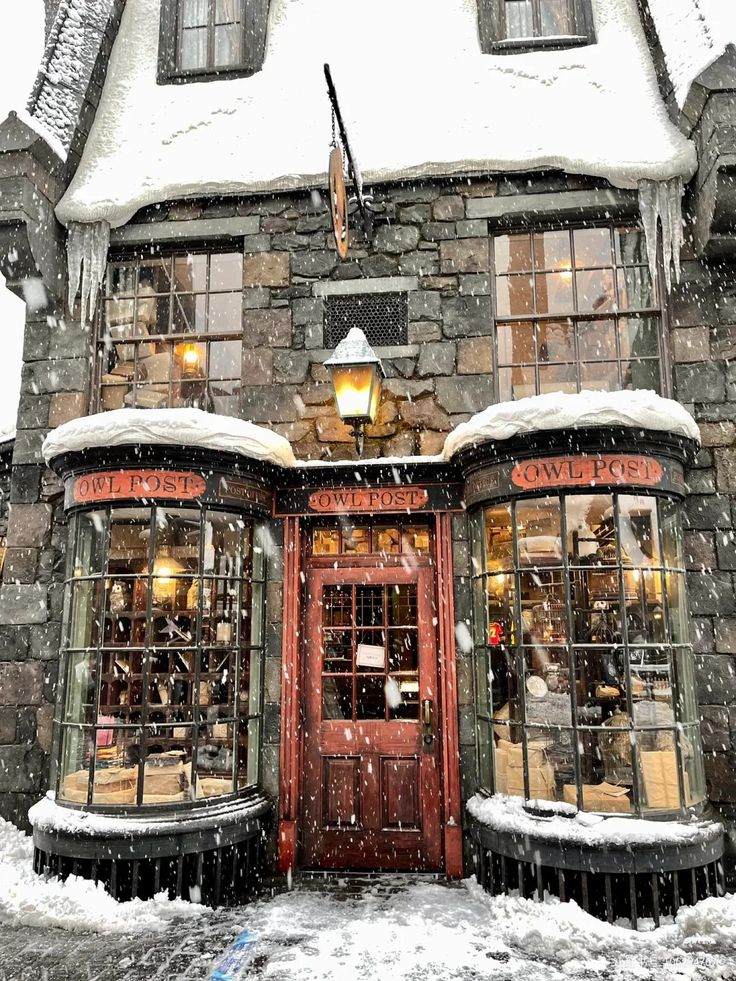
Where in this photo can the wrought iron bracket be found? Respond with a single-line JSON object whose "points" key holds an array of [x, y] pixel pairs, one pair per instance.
{"points": [[363, 201]]}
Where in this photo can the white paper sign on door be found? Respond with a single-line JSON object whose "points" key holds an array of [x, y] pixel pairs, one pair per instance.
{"points": [[369, 656]]}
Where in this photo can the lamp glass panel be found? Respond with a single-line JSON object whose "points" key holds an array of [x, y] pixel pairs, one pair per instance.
{"points": [[353, 385]]}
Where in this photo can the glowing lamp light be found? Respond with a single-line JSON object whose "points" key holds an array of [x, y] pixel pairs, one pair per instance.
{"points": [[356, 375], [190, 361]]}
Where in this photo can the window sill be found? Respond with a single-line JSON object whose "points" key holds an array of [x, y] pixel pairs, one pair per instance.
{"points": [[526, 45], [207, 74]]}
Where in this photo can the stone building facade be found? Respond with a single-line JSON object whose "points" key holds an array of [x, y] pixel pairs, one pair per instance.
{"points": [[432, 243]]}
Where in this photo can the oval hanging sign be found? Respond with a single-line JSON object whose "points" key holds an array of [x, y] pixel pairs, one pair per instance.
{"points": [[338, 202]]}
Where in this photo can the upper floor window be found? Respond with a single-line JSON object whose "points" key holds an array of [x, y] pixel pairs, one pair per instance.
{"points": [[575, 309], [171, 333], [511, 25], [208, 38]]}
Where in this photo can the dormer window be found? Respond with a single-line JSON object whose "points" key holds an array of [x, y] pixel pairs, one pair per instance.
{"points": [[511, 26], [208, 39]]}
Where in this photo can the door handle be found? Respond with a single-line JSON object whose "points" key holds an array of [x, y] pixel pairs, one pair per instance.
{"points": [[428, 723]]}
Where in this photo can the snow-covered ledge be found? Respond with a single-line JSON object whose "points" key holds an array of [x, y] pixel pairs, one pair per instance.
{"points": [[642, 410], [564, 824], [169, 427]]}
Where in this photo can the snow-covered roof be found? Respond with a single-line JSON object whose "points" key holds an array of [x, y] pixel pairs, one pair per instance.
{"points": [[560, 411], [169, 427], [419, 97], [693, 34], [7, 435]]}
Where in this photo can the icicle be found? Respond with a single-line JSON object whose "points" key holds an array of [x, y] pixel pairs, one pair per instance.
{"points": [[87, 246], [660, 204]]}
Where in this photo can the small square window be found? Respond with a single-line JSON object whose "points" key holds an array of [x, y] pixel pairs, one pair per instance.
{"points": [[519, 25]]}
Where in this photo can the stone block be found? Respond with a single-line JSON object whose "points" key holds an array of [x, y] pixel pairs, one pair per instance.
{"points": [[64, 375], [403, 444], [267, 328], [294, 431], [314, 336], [272, 679], [703, 382], [439, 231], [290, 367], [450, 207], [27, 450], [469, 255], [467, 316], [23, 603], [269, 403], [715, 676], [708, 511], [21, 769], [469, 393], [21, 683], [690, 344], [331, 429], [257, 365], [702, 482], [414, 214], [475, 284], [430, 443], [266, 269], [701, 635], [720, 777], [725, 635], [256, 297], [20, 565], [405, 388], [8, 724], [725, 458], [65, 406], [472, 228], [33, 411], [45, 639], [29, 525], [419, 264], [379, 266], [474, 356], [717, 433], [317, 263], [423, 331], [424, 414], [436, 359], [25, 484], [308, 311], [726, 550], [424, 305]]}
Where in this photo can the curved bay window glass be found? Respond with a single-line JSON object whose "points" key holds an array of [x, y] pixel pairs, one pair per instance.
{"points": [[163, 640], [584, 677]]}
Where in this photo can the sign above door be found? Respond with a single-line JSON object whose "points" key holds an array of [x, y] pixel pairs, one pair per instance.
{"points": [[369, 500]]}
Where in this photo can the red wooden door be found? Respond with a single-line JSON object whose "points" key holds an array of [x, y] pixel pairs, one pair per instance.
{"points": [[371, 747]]}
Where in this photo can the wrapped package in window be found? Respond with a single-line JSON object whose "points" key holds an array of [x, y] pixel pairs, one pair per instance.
{"points": [[603, 797], [541, 782], [501, 764], [661, 786], [165, 777]]}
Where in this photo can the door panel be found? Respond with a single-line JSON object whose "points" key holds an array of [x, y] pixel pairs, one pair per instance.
{"points": [[372, 775]]}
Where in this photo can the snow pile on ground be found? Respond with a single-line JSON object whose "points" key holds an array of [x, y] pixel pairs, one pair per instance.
{"points": [[75, 904], [169, 427], [693, 34], [507, 814], [435, 105], [558, 410]]}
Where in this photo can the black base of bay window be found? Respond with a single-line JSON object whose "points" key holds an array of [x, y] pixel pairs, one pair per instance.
{"points": [[632, 882], [218, 860]]}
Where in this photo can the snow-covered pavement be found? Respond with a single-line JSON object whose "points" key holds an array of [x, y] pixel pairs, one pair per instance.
{"points": [[383, 929]]}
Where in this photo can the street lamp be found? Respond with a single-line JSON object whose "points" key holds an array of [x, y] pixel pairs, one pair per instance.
{"points": [[356, 375]]}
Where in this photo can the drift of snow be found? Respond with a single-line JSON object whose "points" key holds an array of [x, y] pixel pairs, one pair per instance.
{"points": [[86, 250], [693, 34], [507, 814], [151, 143], [74, 904], [169, 427], [43, 131], [561, 411], [660, 205]]}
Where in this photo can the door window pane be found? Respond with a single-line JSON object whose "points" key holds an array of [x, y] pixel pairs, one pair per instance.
{"points": [[519, 20]]}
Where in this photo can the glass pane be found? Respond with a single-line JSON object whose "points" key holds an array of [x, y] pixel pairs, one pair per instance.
{"points": [[677, 602], [639, 337], [692, 761], [498, 531], [89, 549], [253, 752], [387, 541], [337, 698], [369, 606], [556, 341], [120, 279], [552, 251], [512, 253], [214, 760], [224, 398], [227, 44], [337, 606], [177, 543], [356, 541], [515, 343], [591, 538], [596, 607], [639, 530], [500, 590], [337, 651], [226, 313], [86, 612], [505, 700], [482, 682], [597, 340], [225, 359], [193, 48], [121, 688], [194, 13], [605, 768], [519, 21], [189, 315], [402, 606], [514, 296], [371, 697], [217, 684], [117, 755], [652, 687], [538, 531], [592, 247], [403, 651], [596, 293], [402, 696], [630, 244], [554, 18], [154, 276], [658, 776], [517, 383], [80, 688], [641, 375], [600, 376], [415, 541], [226, 271], [600, 675], [74, 763], [508, 760], [190, 273], [222, 534], [635, 289], [483, 742], [226, 11], [256, 614], [558, 378], [672, 543], [543, 610], [325, 541], [550, 753], [554, 292]]}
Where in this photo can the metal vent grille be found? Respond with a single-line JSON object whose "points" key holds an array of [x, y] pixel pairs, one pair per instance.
{"points": [[383, 318]]}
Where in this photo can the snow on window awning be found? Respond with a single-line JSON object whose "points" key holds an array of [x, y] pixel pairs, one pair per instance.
{"points": [[585, 410], [169, 427], [574, 110]]}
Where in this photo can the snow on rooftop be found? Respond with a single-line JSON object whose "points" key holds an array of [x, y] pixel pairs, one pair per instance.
{"points": [[560, 411], [507, 814], [27, 899], [169, 427], [693, 34], [418, 95]]}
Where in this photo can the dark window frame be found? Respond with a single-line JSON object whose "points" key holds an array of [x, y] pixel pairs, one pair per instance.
{"points": [[492, 29], [253, 30]]}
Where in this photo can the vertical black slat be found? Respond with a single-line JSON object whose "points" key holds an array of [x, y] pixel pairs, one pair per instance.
{"points": [[218, 876], [522, 879], [114, 879], [134, 879], [585, 891], [75, 866], [94, 871], [490, 886], [655, 898], [157, 876], [561, 885], [632, 900], [198, 873], [36, 860], [504, 877], [540, 882], [675, 891], [179, 876], [234, 873], [693, 887], [721, 878], [480, 870], [609, 897]]}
